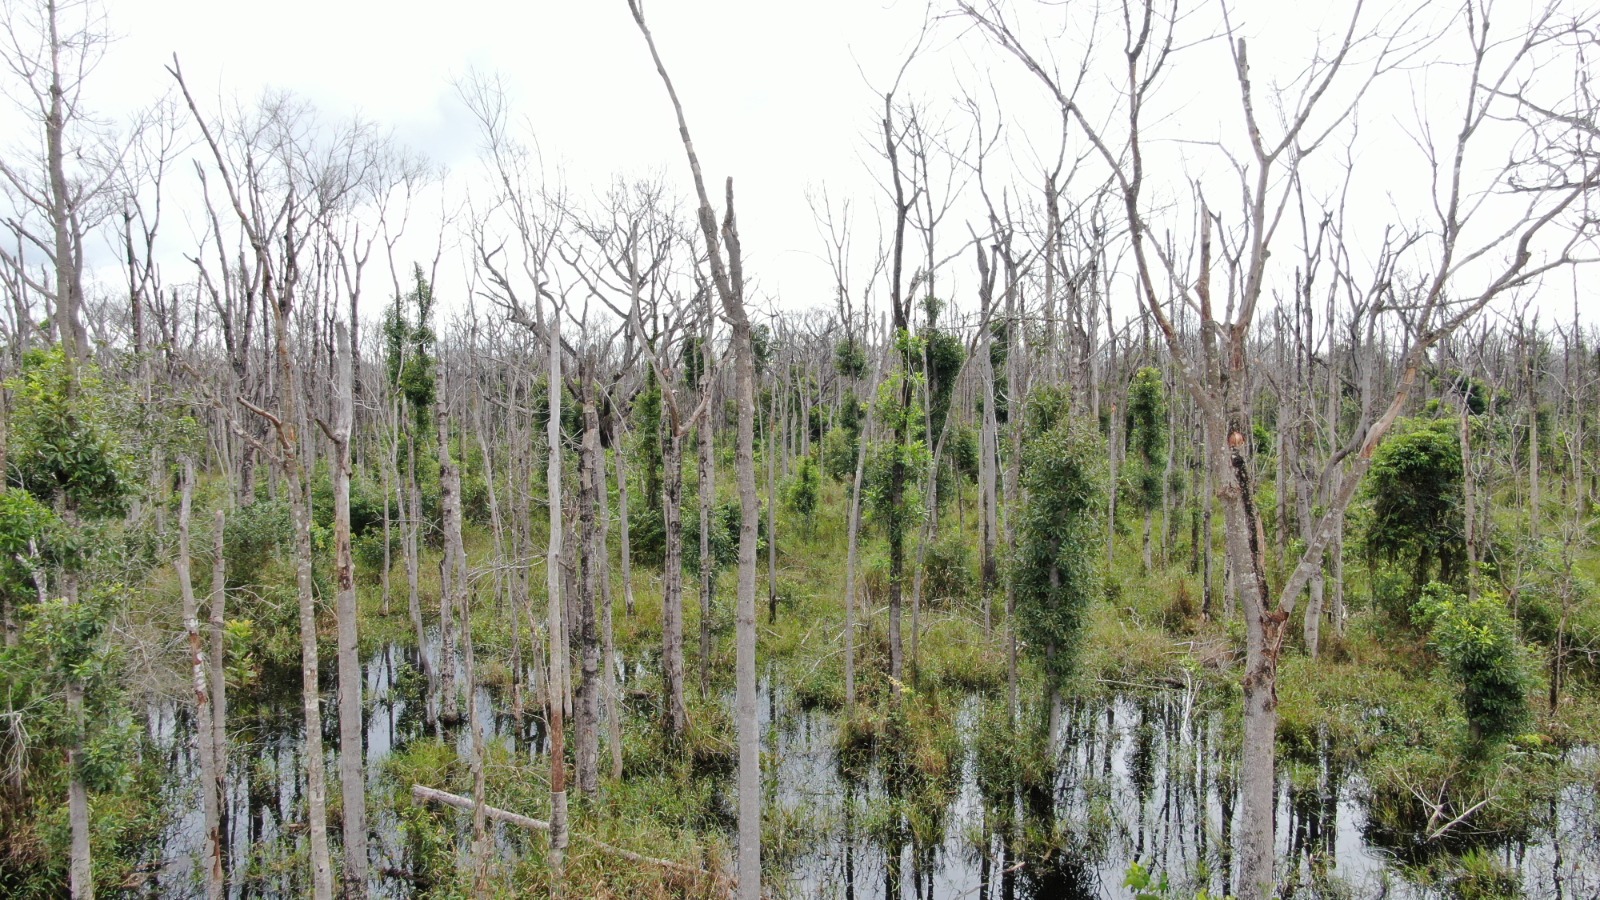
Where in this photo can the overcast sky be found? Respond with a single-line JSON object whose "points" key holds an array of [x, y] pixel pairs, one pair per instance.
{"points": [[779, 96]]}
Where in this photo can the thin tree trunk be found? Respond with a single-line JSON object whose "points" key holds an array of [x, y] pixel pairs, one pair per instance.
{"points": [[555, 684], [391, 478], [1337, 605], [728, 275], [200, 675], [311, 694], [745, 722], [1469, 497], [295, 479], [708, 566], [1207, 499], [772, 519], [850, 564], [219, 683], [677, 719], [1015, 412], [80, 871], [352, 781], [1113, 430], [452, 586], [626, 549], [477, 762], [590, 561], [608, 639], [413, 551], [1534, 498]]}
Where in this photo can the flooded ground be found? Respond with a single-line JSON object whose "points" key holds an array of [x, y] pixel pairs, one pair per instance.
{"points": [[1144, 777]]}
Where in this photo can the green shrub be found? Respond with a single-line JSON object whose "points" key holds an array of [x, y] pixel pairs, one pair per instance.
{"points": [[948, 569], [1478, 640]]}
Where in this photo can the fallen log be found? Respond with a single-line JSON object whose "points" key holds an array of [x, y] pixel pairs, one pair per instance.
{"points": [[426, 794]]}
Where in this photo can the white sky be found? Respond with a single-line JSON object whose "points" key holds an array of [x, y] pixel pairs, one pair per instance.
{"points": [[780, 96]]}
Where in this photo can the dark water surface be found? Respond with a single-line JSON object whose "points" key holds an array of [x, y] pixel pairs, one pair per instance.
{"points": [[1144, 777]]}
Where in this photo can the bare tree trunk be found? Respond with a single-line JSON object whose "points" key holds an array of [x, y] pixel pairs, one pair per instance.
{"points": [[608, 639], [352, 781], [1337, 606], [708, 566], [480, 805], [453, 586], [413, 552], [80, 871], [1113, 431], [850, 564], [626, 549], [521, 550], [988, 466], [311, 694], [772, 518], [1015, 411], [555, 685], [219, 683], [1265, 629], [1534, 498], [200, 676], [745, 616], [391, 478], [589, 562], [1469, 496], [1208, 600], [728, 275], [1149, 515], [672, 585]]}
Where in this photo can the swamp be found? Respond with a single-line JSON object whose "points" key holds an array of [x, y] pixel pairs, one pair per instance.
{"points": [[1129, 512]]}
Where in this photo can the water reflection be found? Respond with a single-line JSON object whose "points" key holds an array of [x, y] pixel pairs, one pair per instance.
{"points": [[1141, 776]]}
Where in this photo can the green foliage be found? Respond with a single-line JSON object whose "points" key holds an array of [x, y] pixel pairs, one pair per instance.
{"points": [[839, 454], [1478, 641], [408, 345], [1480, 876], [647, 533], [999, 350], [1147, 437], [70, 436], [252, 537], [948, 569], [1147, 884], [940, 363], [1058, 529], [762, 346], [1144, 883], [697, 361], [63, 645], [31, 538], [888, 459], [961, 449], [1477, 393], [647, 442], [539, 413], [850, 358], [366, 503], [1262, 439], [723, 534], [1415, 489], [804, 490]]}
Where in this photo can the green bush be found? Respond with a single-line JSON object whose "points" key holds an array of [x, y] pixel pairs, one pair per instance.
{"points": [[948, 569], [252, 536], [1477, 639], [839, 454], [804, 490]]}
